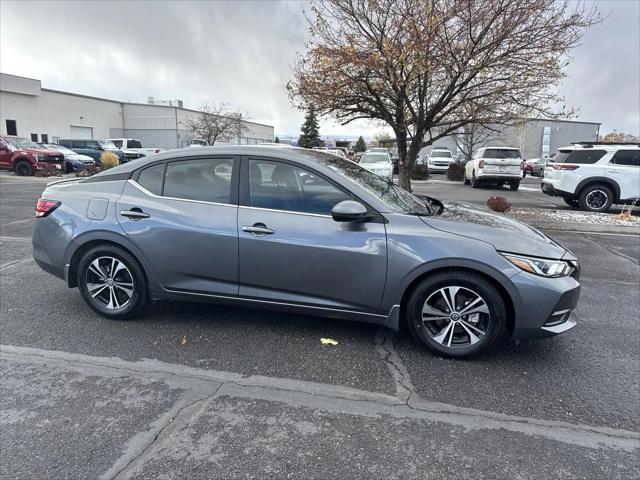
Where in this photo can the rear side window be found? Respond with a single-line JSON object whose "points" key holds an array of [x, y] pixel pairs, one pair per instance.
{"points": [[501, 153], [151, 178], [583, 157], [208, 180], [627, 157], [117, 143], [132, 144]]}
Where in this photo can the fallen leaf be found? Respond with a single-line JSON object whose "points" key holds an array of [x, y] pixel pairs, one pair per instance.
{"points": [[184, 341], [328, 341]]}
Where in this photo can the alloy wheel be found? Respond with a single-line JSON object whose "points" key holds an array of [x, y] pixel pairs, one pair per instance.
{"points": [[455, 316], [596, 199], [109, 282]]}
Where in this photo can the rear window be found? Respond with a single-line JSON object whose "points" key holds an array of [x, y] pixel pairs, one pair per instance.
{"points": [[579, 156], [627, 157], [441, 154], [501, 153]]}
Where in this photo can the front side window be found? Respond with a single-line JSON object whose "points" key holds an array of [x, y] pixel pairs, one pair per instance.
{"points": [[627, 157], [207, 180], [583, 157], [279, 186], [117, 143]]}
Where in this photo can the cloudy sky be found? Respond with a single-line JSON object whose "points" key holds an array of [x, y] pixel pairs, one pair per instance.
{"points": [[241, 52]]}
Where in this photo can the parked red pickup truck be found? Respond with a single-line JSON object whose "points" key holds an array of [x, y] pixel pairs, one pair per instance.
{"points": [[25, 157]]}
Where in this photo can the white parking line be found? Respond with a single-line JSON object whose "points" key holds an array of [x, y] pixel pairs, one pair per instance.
{"points": [[18, 221]]}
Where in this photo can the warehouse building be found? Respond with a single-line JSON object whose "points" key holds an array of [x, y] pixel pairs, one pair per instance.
{"points": [[536, 138], [45, 115]]}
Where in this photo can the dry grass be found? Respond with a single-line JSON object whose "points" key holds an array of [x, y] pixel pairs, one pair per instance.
{"points": [[498, 204], [108, 160]]}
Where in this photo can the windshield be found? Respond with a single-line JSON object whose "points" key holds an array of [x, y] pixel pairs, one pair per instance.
{"points": [[108, 145], [441, 154], [501, 153], [374, 158], [20, 142], [396, 198]]}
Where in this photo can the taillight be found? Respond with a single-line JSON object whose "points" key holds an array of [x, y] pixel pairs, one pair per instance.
{"points": [[564, 166], [45, 207], [481, 164]]}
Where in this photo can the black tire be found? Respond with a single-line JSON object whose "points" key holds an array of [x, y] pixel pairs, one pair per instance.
{"points": [[494, 323], [23, 169], [475, 183], [572, 202], [596, 198], [500, 184], [514, 185], [466, 180], [139, 298]]}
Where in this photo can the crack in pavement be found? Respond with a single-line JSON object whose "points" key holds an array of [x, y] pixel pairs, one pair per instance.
{"points": [[400, 374], [210, 384]]}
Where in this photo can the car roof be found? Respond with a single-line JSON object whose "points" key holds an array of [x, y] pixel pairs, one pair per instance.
{"points": [[499, 148], [600, 146]]}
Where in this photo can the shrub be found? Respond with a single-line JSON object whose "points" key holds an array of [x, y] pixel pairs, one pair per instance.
{"points": [[47, 173], [87, 172], [108, 160], [455, 172], [420, 172], [498, 204]]}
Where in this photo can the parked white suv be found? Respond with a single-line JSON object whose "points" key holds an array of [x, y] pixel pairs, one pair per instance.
{"points": [[595, 175], [439, 160], [497, 165]]}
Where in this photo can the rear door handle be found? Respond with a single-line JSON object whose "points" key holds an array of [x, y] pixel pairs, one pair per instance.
{"points": [[134, 214], [258, 229]]}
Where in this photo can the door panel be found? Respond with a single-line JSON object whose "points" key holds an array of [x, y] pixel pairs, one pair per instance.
{"points": [[191, 245], [296, 251]]}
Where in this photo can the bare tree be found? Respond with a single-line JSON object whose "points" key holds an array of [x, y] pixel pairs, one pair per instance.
{"points": [[473, 136], [426, 68], [217, 122]]}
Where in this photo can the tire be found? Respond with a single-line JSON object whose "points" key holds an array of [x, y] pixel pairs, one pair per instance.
{"points": [[475, 183], [466, 180], [23, 169], [572, 202], [500, 184], [514, 185], [596, 198], [98, 291], [446, 336]]}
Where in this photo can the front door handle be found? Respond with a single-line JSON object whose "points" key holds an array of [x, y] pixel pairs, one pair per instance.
{"points": [[258, 229], [134, 214]]}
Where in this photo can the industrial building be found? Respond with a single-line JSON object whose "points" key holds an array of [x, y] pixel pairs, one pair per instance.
{"points": [[45, 115]]}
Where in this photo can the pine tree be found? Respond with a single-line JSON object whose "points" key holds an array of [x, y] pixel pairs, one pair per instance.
{"points": [[310, 131], [360, 145], [277, 140]]}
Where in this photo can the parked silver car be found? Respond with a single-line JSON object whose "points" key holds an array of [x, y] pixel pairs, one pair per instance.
{"points": [[303, 231]]}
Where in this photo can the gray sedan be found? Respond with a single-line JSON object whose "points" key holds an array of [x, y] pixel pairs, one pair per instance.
{"points": [[302, 231]]}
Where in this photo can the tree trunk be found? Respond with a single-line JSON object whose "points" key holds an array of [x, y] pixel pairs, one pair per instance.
{"points": [[408, 158]]}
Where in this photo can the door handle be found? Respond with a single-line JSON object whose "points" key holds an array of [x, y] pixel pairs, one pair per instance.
{"points": [[258, 229], [134, 214]]}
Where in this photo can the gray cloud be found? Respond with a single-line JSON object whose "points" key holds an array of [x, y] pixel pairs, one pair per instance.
{"points": [[241, 52]]}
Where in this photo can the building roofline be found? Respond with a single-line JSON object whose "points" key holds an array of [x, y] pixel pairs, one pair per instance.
{"points": [[23, 77], [564, 121]]}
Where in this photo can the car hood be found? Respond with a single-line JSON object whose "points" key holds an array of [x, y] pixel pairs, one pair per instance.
{"points": [[40, 151], [504, 233], [78, 156]]}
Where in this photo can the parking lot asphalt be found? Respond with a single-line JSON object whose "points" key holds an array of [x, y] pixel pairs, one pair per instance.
{"points": [[203, 391]]}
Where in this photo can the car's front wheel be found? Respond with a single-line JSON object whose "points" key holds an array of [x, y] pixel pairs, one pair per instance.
{"points": [[23, 169], [456, 314], [475, 183], [112, 282]]}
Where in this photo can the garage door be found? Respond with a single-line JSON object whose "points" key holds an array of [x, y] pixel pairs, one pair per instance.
{"points": [[81, 132]]}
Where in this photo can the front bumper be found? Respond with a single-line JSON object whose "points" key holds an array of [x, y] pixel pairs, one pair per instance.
{"points": [[547, 305]]}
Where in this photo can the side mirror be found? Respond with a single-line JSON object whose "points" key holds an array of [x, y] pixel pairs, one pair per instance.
{"points": [[350, 211]]}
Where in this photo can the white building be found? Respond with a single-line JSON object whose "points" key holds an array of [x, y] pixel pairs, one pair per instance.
{"points": [[45, 115]]}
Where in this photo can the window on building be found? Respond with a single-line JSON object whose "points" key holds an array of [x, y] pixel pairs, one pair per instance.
{"points": [[279, 186], [12, 128], [44, 137], [34, 137], [207, 180], [627, 157]]}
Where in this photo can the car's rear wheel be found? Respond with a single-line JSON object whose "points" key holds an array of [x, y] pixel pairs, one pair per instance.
{"points": [[456, 314], [112, 282], [500, 184], [23, 169], [572, 202], [514, 185], [596, 198], [475, 183]]}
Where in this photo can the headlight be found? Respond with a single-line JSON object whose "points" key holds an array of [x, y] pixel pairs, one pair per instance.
{"points": [[40, 157], [540, 266]]}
